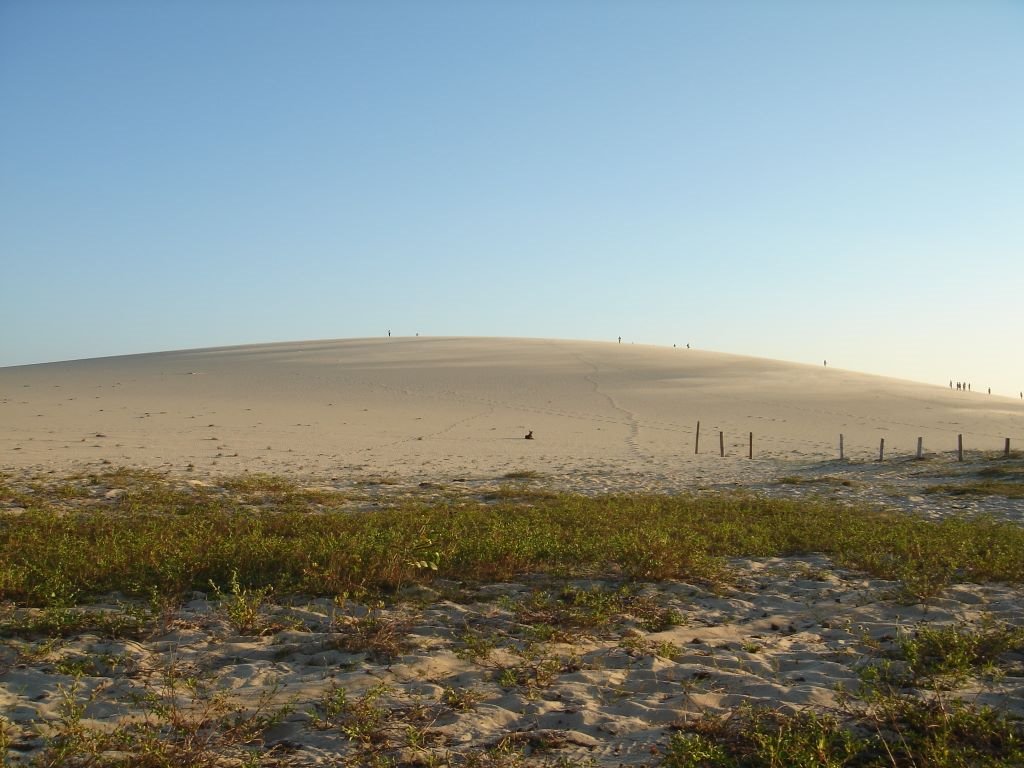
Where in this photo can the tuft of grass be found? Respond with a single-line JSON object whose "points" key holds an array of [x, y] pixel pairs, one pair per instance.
{"points": [[382, 638], [1009, 489], [1002, 477], [824, 480], [523, 474], [462, 699]]}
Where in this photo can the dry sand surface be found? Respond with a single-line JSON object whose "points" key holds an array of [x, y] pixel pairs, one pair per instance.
{"points": [[436, 412], [606, 416]]}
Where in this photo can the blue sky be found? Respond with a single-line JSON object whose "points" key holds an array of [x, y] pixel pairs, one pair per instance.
{"points": [[796, 180]]}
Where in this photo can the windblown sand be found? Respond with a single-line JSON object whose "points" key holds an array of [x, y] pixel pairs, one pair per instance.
{"points": [[424, 413], [424, 408]]}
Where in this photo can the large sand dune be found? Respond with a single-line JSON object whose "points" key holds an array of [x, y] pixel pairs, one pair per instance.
{"points": [[442, 407]]}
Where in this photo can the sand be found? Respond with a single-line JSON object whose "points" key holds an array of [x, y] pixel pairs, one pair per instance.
{"points": [[425, 413], [435, 408]]}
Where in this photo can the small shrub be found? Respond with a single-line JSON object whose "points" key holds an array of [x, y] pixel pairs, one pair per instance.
{"points": [[243, 606]]}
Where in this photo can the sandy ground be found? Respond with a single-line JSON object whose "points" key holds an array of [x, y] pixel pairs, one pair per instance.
{"points": [[791, 634], [438, 408], [786, 633]]}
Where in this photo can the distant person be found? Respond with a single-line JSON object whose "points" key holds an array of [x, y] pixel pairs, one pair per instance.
{"points": [[825, 363], [687, 345], [950, 383], [990, 390], [389, 333], [620, 339]]}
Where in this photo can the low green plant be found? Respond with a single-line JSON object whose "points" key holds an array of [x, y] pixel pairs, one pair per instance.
{"points": [[364, 719], [178, 539], [1009, 489], [694, 750], [380, 636], [461, 699], [957, 652], [243, 606], [891, 730], [476, 645]]}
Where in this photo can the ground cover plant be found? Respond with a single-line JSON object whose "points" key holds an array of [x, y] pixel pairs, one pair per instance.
{"points": [[166, 540], [112, 555], [1003, 476]]}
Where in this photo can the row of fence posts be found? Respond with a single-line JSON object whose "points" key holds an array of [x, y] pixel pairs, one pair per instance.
{"points": [[721, 443], [842, 453]]}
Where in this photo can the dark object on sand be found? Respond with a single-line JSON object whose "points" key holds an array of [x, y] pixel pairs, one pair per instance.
{"points": [[529, 435]]}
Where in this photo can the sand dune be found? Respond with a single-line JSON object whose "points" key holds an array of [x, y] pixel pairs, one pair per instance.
{"points": [[438, 407]]}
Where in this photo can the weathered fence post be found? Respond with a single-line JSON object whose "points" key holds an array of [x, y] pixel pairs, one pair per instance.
{"points": [[1006, 449], [751, 454], [881, 449], [721, 443], [841, 445], [960, 447], [920, 446], [696, 442]]}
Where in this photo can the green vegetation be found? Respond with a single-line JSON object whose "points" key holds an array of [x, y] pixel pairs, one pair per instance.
{"points": [[825, 480], [145, 541], [897, 732], [1011, 490], [157, 539], [183, 720], [1004, 477], [946, 656], [523, 474]]}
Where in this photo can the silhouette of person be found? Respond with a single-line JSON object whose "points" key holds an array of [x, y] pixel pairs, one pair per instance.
{"points": [[620, 339]]}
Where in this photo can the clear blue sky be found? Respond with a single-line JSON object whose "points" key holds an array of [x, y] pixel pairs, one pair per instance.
{"points": [[796, 180]]}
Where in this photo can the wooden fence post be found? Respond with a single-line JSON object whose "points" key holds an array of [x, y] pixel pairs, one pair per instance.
{"points": [[1006, 450], [751, 455], [960, 447], [721, 443], [696, 443], [920, 446], [841, 446], [881, 449]]}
